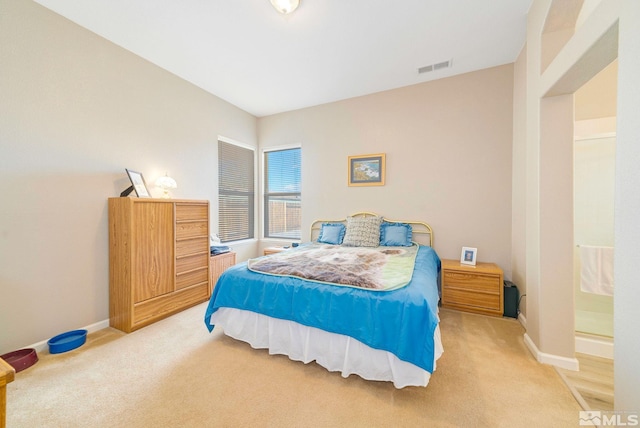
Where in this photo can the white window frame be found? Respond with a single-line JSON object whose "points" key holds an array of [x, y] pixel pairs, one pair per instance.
{"points": [[262, 191]]}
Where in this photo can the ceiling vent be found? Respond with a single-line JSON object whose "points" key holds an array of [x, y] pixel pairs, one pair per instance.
{"points": [[436, 66]]}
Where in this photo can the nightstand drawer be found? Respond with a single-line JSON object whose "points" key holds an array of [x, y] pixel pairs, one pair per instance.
{"points": [[471, 281], [472, 300]]}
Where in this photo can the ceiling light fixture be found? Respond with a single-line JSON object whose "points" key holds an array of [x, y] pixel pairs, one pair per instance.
{"points": [[285, 6]]}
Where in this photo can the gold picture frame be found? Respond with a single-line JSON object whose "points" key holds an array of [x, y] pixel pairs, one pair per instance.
{"points": [[367, 170]]}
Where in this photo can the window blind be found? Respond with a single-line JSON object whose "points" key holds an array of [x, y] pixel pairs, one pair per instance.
{"points": [[235, 192], [282, 197]]}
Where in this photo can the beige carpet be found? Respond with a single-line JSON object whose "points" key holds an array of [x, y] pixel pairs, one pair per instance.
{"points": [[175, 374]]}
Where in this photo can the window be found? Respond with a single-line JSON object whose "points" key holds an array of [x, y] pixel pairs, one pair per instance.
{"points": [[236, 194], [282, 201]]}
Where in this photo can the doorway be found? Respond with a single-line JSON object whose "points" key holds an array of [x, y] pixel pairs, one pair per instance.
{"points": [[593, 198]]}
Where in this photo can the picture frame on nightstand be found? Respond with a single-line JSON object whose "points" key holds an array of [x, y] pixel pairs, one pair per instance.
{"points": [[468, 256]]}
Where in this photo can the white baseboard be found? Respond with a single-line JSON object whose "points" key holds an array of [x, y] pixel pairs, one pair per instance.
{"points": [[522, 320], [42, 346], [554, 360], [594, 345]]}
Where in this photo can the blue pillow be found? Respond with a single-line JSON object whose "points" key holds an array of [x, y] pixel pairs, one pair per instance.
{"points": [[395, 234], [332, 233]]}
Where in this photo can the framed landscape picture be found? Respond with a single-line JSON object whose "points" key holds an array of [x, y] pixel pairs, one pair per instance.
{"points": [[367, 170]]}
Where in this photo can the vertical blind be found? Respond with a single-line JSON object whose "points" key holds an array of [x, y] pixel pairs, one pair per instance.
{"points": [[282, 197], [235, 192]]}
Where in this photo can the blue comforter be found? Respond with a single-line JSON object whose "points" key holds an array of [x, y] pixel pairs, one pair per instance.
{"points": [[400, 321]]}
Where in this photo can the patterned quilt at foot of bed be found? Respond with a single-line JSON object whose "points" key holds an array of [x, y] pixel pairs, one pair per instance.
{"points": [[378, 269]]}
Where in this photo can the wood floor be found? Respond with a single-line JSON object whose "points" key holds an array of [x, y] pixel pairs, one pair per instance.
{"points": [[593, 384]]}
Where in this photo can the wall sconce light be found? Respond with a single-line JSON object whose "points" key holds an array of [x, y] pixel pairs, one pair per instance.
{"points": [[166, 183], [285, 6]]}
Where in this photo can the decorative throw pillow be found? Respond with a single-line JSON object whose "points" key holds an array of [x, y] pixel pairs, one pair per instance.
{"points": [[396, 234], [331, 233], [362, 232]]}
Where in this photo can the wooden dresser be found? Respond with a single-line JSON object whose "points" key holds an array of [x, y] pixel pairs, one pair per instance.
{"points": [[219, 264], [478, 289], [158, 259]]}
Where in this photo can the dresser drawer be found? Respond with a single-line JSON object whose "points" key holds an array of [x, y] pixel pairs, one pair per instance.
{"points": [[187, 247], [190, 278], [191, 212], [192, 229], [146, 312], [471, 281], [186, 264]]}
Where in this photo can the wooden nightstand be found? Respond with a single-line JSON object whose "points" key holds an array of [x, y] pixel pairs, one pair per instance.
{"points": [[273, 250], [478, 289], [217, 265]]}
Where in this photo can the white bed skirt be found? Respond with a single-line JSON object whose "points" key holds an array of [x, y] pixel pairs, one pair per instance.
{"points": [[335, 352]]}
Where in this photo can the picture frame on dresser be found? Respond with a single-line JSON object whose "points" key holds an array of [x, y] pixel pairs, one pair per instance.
{"points": [[469, 256], [138, 185]]}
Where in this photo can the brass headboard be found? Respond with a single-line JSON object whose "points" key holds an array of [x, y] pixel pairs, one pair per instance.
{"points": [[421, 231]]}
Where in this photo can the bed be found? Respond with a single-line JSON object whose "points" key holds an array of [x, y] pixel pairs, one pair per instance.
{"points": [[384, 328]]}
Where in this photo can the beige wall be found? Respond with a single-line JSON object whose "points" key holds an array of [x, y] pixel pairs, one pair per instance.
{"points": [[597, 98], [548, 189], [519, 177], [556, 226], [448, 148], [75, 110]]}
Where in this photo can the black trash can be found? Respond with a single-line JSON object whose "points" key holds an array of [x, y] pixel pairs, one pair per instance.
{"points": [[511, 297]]}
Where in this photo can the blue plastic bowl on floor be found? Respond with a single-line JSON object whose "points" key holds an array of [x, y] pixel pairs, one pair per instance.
{"points": [[67, 341]]}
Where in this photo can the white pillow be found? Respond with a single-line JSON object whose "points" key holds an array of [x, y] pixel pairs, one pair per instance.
{"points": [[362, 232]]}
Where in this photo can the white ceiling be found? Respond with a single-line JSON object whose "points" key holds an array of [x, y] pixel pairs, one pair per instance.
{"points": [[246, 53]]}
